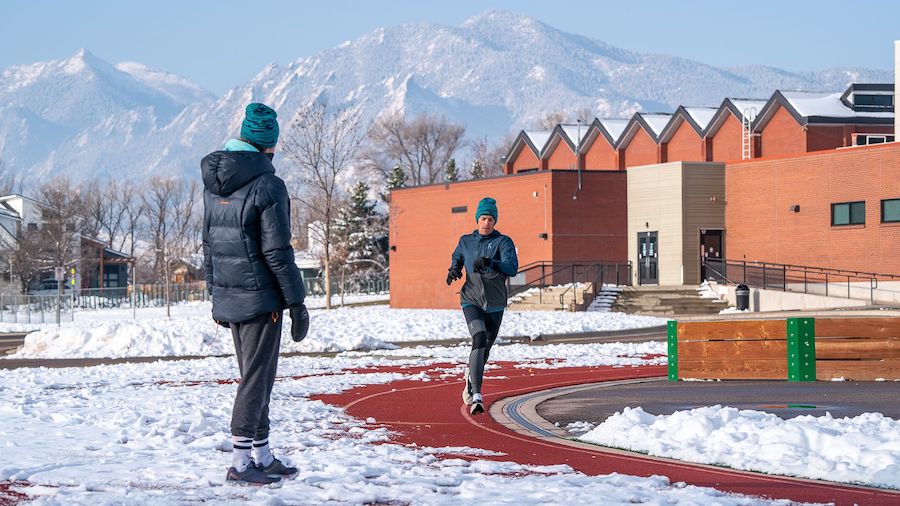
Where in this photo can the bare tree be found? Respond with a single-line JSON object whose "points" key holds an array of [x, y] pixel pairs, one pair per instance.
{"points": [[62, 218], [133, 215], [487, 159], [421, 146], [551, 119], [321, 144], [174, 221]]}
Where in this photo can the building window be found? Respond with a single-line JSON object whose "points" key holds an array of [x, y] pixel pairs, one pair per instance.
{"points": [[459, 209], [848, 213], [884, 101], [869, 139], [890, 210]]}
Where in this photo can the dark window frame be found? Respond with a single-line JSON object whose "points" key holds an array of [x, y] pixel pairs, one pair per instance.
{"points": [[883, 220], [849, 213]]}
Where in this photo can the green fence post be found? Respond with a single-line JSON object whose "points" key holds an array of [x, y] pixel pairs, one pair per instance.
{"points": [[672, 330], [801, 349]]}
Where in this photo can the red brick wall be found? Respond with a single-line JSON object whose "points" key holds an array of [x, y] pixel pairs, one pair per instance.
{"points": [[685, 145], [761, 227], [601, 156], [525, 159], [782, 135], [593, 226], [561, 157], [726, 142], [424, 231], [640, 151]]}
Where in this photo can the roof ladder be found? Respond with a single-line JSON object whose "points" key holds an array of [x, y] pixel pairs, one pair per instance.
{"points": [[747, 133]]}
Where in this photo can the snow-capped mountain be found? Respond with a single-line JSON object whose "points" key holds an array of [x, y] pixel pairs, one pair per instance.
{"points": [[497, 72]]}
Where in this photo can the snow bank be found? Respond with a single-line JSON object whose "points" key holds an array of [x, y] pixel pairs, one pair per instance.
{"points": [[864, 449], [191, 331]]}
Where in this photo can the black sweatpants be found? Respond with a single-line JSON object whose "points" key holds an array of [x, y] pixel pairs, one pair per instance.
{"points": [[483, 327], [256, 344]]}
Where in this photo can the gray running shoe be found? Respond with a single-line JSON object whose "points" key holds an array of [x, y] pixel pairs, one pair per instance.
{"points": [[477, 408], [467, 390], [278, 469], [252, 476]]}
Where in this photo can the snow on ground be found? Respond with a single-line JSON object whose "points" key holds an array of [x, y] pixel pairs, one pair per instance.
{"points": [[158, 433], [191, 332], [864, 449], [543, 357]]}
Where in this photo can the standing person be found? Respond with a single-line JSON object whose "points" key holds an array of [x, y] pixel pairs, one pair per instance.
{"points": [[489, 258], [251, 274]]}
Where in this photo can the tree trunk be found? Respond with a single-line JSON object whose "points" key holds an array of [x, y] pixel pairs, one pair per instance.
{"points": [[327, 284]]}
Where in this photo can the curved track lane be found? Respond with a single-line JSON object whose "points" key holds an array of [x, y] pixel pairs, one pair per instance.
{"points": [[430, 413]]}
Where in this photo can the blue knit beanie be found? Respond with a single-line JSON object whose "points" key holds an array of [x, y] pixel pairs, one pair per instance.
{"points": [[487, 206], [260, 126]]}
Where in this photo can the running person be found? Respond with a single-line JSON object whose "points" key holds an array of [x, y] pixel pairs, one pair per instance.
{"points": [[489, 258]]}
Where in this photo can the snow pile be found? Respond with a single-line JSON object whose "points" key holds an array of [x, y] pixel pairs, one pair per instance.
{"points": [[192, 332], [542, 357], [864, 449], [709, 290]]}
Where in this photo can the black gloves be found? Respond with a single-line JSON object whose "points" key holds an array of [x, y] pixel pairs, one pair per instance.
{"points": [[224, 324], [453, 274], [482, 264], [299, 322]]}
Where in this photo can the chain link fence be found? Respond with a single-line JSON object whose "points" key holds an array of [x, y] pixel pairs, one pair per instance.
{"points": [[37, 308]]}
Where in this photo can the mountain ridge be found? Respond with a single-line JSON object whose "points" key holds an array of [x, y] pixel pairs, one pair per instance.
{"points": [[497, 72]]}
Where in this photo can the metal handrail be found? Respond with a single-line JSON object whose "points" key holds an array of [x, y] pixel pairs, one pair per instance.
{"points": [[788, 274]]}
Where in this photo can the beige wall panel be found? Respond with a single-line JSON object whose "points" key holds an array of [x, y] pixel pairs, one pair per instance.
{"points": [[655, 204]]}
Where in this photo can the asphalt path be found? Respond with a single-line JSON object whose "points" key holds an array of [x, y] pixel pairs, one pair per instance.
{"points": [[782, 398]]}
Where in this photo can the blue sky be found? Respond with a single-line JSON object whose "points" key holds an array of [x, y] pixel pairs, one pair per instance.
{"points": [[220, 44]]}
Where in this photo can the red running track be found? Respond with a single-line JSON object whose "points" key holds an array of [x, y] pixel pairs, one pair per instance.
{"points": [[431, 414]]}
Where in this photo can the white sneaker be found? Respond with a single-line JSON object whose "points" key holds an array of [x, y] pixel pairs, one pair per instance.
{"points": [[477, 406], [467, 389]]}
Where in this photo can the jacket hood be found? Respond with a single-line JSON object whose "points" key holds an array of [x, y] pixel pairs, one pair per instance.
{"points": [[224, 172]]}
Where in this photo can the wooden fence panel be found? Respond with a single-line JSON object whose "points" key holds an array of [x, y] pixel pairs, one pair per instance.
{"points": [[732, 330]]}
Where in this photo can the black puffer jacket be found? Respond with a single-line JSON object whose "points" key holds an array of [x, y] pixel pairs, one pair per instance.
{"points": [[247, 252]]}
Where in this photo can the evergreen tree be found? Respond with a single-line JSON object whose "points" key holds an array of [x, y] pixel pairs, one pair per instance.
{"points": [[450, 173], [397, 178], [362, 234], [477, 169]]}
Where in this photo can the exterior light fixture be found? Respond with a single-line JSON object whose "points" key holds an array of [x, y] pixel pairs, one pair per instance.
{"points": [[795, 208]]}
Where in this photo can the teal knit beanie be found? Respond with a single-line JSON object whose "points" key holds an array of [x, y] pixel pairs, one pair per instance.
{"points": [[487, 206], [260, 126]]}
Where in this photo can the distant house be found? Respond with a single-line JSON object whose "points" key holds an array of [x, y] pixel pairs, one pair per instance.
{"points": [[97, 266], [187, 269], [100, 266]]}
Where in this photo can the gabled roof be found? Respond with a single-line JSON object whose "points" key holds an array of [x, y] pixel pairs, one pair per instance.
{"points": [[737, 107], [848, 98], [534, 140], [697, 117], [107, 250], [817, 107], [652, 123], [571, 134], [610, 129]]}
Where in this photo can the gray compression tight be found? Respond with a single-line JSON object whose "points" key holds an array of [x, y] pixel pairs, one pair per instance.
{"points": [[483, 327]]}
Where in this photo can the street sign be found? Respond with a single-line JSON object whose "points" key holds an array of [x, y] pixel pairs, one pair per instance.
{"points": [[60, 273]]}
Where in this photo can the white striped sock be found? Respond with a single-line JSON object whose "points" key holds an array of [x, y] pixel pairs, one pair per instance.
{"points": [[240, 455], [262, 454]]}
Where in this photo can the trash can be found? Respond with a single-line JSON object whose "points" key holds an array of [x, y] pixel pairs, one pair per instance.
{"points": [[742, 296]]}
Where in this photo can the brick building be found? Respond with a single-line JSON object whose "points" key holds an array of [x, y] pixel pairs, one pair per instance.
{"points": [[544, 212], [837, 209]]}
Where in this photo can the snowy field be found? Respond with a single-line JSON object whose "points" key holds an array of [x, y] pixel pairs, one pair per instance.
{"points": [[191, 331], [157, 433], [864, 449]]}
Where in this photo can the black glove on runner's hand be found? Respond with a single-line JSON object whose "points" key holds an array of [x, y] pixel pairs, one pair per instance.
{"points": [[482, 264], [453, 274], [299, 322]]}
